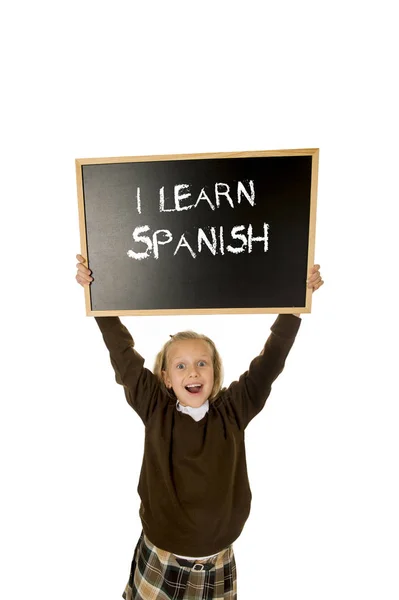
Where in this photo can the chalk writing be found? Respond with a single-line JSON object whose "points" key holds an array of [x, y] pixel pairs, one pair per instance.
{"points": [[208, 237], [215, 243], [220, 190]]}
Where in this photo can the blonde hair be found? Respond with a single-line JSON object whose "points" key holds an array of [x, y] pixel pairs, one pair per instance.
{"points": [[161, 360]]}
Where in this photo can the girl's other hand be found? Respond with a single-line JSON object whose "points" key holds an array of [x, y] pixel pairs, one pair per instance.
{"points": [[314, 278], [83, 274]]}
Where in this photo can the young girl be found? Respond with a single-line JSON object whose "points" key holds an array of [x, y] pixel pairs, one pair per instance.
{"points": [[194, 488]]}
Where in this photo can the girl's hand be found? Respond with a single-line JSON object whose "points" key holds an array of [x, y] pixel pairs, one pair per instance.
{"points": [[314, 280], [83, 275]]}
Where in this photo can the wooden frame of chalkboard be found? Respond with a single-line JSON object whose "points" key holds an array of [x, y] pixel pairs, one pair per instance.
{"points": [[199, 233]]}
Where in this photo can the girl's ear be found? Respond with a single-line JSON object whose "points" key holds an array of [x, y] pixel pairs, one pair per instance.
{"points": [[166, 379]]}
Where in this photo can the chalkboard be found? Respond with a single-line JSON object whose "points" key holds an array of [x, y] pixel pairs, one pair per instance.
{"points": [[203, 233]]}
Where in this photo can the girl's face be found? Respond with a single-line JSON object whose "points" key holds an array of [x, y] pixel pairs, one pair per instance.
{"points": [[189, 371]]}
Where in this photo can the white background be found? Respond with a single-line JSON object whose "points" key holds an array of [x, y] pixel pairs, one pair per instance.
{"points": [[133, 78]]}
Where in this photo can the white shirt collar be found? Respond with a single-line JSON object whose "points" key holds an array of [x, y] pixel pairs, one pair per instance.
{"points": [[196, 413]]}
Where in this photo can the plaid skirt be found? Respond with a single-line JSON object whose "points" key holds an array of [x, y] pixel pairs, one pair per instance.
{"points": [[156, 574]]}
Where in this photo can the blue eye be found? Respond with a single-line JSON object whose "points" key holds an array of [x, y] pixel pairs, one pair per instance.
{"points": [[180, 366], [202, 363]]}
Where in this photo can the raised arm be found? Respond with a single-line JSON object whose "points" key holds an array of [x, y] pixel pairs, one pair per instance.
{"points": [[247, 396], [140, 385]]}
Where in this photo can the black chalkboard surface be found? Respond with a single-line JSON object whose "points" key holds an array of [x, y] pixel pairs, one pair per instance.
{"points": [[204, 233]]}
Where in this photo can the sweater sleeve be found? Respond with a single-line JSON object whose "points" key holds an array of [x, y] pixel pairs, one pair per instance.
{"points": [[248, 395], [140, 385]]}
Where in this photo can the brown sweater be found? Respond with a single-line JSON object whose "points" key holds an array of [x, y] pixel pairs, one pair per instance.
{"points": [[194, 488]]}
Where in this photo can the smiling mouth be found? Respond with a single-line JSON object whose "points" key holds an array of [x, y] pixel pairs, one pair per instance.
{"points": [[194, 388]]}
